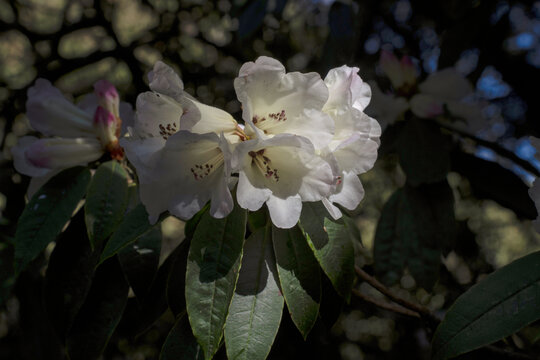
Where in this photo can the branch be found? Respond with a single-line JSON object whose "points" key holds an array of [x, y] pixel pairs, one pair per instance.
{"points": [[422, 311], [510, 155], [386, 306]]}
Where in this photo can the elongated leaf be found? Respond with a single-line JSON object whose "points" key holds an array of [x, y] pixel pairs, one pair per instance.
{"points": [[100, 313], [191, 224], [212, 270], [299, 277], [423, 152], [135, 225], [106, 201], [330, 242], [69, 275], [415, 225], [180, 343], [176, 284], [257, 304], [47, 212], [502, 303], [140, 261]]}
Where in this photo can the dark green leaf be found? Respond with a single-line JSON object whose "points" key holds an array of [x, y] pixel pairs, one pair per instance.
{"points": [[134, 225], [69, 275], [100, 313], [212, 270], [106, 201], [416, 224], [47, 212], [257, 219], [257, 304], [7, 275], [331, 244], [299, 277], [176, 284], [140, 261], [180, 343], [501, 304], [423, 152], [191, 224]]}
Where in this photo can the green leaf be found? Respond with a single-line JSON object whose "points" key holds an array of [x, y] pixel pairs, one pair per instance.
{"points": [[106, 201], [257, 219], [135, 225], [180, 343], [191, 224], [7, 275], [299, 277], [69, 275], [389, 251], [330, 242], [100, 313], [257, 304], [47, 212], [501, 304], [423, 152], [140, 261], [176, 284], [212, 270], [416, 224]]}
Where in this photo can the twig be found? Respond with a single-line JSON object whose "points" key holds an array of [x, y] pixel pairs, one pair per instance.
{"points": [[419, 309], [387, 306], [510, 155]]}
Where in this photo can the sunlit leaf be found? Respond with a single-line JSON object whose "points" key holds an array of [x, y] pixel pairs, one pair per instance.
{"points": [[106, 201], [212, 270], [257, 304], [299, 277]]}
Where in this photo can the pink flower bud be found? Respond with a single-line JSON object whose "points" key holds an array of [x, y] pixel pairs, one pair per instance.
{"points": [[107, 96]]}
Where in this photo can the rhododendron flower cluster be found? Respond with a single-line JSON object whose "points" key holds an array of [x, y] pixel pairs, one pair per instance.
{"points": [[75, 134], [302, 139]]}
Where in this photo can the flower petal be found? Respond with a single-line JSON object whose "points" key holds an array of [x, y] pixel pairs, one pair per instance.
{"points": [[215, 120], [346, 88], [284, 213], [350, 193], [356, 154], [50, 113], [163, 79]]}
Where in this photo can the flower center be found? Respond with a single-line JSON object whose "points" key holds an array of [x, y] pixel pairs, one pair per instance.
{"points": [[167, 130], [264, 164], [200, 171], [266, 123]]}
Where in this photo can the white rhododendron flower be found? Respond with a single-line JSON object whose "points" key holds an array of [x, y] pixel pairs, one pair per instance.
{"points": [[76, 134], [180, 149], [356, 138], [442, 90], [303, 140]]}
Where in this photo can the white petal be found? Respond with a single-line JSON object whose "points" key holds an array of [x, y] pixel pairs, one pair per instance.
{"points": [[284, 213], [50, 113], [21, 162], [446, 84], [157, 115], [127, 115], [163, 79], [142, 153], [332, 209], [215, 120], [357, 153], [284, 103], [350, 193], [346, 88], [248, 195]]}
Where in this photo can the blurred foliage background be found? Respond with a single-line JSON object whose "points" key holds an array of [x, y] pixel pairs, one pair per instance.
{"points": [[494, 43]]}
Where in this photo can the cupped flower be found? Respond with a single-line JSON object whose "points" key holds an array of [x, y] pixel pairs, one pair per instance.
{"points": [[180, 148], [281, 171], [356, 139], [78, 134], [275, 102], [182, 176]]}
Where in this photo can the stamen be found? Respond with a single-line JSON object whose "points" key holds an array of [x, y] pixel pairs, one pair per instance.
{"points": [[271, 120], [263, 163], [200, 171], [168, 130]]}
